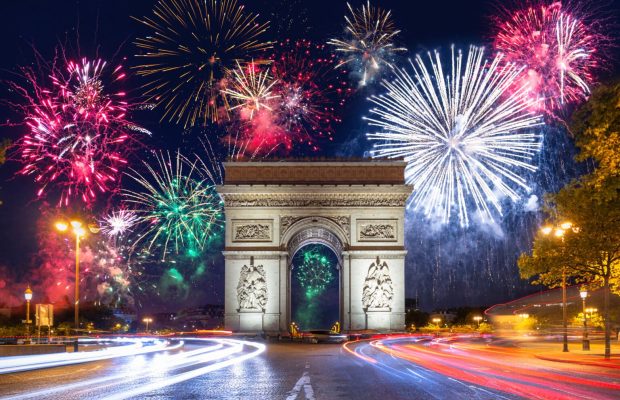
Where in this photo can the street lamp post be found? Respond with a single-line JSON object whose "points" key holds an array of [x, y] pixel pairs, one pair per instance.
{"points": [[585, 342], [559, 232], [79, 232], [28, 297], [147, 321], [478, 318]]}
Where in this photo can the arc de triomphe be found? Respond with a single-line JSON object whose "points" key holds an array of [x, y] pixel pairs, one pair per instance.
{"points": [[273, 209]]}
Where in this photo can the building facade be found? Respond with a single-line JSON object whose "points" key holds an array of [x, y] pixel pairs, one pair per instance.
{"points": [[273, 209]]}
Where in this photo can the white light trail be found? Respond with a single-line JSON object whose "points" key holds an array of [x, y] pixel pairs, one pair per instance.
{"points": [[28, 363], [221, 353], [465, 137], [237, 346]]}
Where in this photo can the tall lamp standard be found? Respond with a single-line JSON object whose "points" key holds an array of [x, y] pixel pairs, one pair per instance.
{"points": [[585, 342], [147, 321], [78, 230], [478, 318], [559, 232], [28, 297]]}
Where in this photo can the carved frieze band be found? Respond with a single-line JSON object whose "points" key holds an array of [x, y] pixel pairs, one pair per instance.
{"points": [[256, 230], [377, 230], [315, 200], [343, 221]]}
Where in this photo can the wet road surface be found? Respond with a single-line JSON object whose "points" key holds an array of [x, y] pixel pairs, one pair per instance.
{"points": [[229, 370]]}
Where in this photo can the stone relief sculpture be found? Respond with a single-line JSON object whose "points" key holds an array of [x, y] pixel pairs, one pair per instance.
{"points": [[377, 231], [343, 221], [252, 288], [252, 231], [378, 288], [286, 221]]}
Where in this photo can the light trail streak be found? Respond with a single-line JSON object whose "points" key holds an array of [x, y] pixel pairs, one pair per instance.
{"points": [[238, 347], [510, 371], [173, 362], [220, 354], [356, 353], [29, 363]]}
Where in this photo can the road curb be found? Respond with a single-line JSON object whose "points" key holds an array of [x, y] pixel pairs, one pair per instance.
{"points": [[605, 364]]}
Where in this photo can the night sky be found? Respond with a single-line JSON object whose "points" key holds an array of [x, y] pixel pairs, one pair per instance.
{"points": [[446, 266]]}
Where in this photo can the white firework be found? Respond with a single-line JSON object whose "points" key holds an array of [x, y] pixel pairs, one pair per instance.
{"points": [[116, 223], [465, 137], [369, 41]]}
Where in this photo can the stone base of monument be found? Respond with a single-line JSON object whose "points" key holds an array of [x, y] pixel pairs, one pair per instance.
{"points": [[378, 319], [250, 321]]}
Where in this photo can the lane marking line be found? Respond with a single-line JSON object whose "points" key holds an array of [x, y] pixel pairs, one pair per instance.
{"points": [[302, 384]]}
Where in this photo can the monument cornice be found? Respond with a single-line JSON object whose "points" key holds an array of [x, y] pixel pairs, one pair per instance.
{"points": [[315, 199], [315, 172]]}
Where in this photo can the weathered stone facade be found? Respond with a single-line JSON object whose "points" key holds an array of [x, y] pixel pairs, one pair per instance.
{"points": [[356, 208]]}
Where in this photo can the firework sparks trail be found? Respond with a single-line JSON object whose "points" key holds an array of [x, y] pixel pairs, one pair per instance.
{"points": [[251, 89], [117, 223], [369, 42], [558, 48], [79, 135], [177, 205], [297, 107], [309, 90], [185, 60], [315, 272], [464, 141]]}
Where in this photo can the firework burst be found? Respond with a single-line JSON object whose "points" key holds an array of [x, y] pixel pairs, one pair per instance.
{"points": [[186, 57], [78, 136], [315, 271], [117, 223], [301, 104], [310, 91], [558, 48], [177, 206], [369, 42], [463, 140], [251, 89]]}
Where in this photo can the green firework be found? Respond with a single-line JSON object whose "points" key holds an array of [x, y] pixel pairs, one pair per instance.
{"points": [[178, 208], [315, 271]]}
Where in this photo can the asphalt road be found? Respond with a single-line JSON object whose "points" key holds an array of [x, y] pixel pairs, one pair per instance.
{"points": [[283, 371]]}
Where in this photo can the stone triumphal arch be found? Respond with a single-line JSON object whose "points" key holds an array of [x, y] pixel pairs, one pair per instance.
{"points": [[356, 208]]}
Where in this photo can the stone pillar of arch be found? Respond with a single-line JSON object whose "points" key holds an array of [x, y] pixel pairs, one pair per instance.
{"points": [[356, 208]]}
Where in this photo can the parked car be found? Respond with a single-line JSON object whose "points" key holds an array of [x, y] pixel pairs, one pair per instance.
{"points": [[323, 336]]}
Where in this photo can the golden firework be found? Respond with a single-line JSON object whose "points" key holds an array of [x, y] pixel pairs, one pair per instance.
{"points": [[186, 57]]}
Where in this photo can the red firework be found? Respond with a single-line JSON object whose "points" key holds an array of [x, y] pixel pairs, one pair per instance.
{"points": [[78, 132], [311, 91], [558, 47], [307, 94]]}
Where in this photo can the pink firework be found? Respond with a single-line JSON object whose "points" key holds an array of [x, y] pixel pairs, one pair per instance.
{"points": [[558, 48], [78, 132], [306, 94]]}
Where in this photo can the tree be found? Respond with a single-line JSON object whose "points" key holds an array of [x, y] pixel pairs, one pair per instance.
{"points": [[590, 251], [417, 318], [596, 127]]}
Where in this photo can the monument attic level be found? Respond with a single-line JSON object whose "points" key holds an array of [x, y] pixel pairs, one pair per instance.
{"points": [[273, 209]]}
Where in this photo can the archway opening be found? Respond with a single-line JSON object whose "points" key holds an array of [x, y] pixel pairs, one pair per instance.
{"points": [[315, 280]]}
